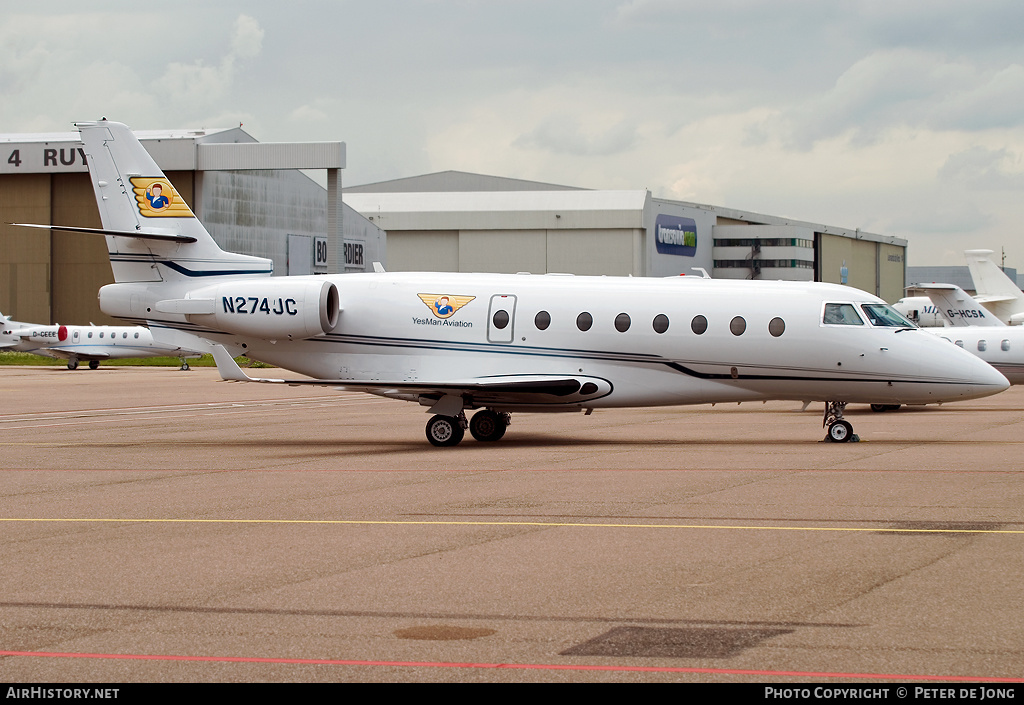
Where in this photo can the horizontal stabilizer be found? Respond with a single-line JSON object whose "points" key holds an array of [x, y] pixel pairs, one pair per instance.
{"points": [[140, 234]]}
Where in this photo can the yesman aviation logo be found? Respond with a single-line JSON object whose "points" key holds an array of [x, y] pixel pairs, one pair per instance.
{"points": [[156, 198], [443, 306]]}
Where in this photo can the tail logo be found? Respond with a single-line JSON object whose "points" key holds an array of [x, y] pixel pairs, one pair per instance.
{"points": [[156, 198]]}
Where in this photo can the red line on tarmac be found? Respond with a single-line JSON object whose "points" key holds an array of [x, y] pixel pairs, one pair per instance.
{"points": [[514, 666]]}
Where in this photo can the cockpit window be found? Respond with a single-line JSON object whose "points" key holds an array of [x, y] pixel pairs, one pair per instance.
{"points": [[841, 315], [885, 315]]}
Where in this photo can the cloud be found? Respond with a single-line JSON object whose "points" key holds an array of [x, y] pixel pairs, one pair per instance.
{"points": [[984, 169], [907, 88], [200, 84], [248, 39], [565, 134]]}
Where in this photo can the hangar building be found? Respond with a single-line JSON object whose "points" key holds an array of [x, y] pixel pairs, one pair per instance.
{"points": [[251, 196], [457, 221]]}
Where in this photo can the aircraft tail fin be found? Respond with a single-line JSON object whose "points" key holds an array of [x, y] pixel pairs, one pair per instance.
{"points": [[152, 234], [957, 306], [989, 279]]}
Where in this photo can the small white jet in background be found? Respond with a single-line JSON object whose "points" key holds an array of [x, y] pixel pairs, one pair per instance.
{"points": [[91, 344], [995, 291]]}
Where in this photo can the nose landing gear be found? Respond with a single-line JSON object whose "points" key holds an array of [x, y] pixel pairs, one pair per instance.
{"points": [[839, 430]]}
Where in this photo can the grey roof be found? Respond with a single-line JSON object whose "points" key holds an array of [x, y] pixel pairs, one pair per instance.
{"points": [[455, 181]]}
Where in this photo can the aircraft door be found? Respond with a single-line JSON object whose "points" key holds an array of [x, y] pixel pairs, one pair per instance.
{"points": [[501, 318]]}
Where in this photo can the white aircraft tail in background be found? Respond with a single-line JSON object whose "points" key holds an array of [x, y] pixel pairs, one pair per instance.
{"points": [[502, 343], [958, 307], [994, 289]]}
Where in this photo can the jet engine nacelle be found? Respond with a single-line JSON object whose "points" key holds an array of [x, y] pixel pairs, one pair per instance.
{"points": [[1016, 319], [267, 308]]}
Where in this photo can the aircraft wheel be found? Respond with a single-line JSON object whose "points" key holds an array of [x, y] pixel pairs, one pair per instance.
{"points": [[840, 431], [184, 365], [444, 431], [879, 408], [892, 407], [72, 364], [487, 425], [94, 364]]}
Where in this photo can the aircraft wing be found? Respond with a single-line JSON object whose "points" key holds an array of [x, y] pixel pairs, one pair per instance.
{"points": [[72, 354], [498, 390]]}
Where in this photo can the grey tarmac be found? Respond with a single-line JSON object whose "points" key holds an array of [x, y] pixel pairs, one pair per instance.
{"points": [[160, 525]]}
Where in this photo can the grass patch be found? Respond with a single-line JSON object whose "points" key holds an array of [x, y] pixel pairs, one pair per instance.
{"points": [[13, 358]]}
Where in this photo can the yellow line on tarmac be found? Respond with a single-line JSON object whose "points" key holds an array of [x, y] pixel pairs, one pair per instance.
{"points": [[565, 524]]}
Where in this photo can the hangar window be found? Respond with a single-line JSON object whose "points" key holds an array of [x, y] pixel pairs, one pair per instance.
{"points": [[738, 325], [584, 321], [1005, 346], [660, 323], [699, 325], [982, 346], [500, 319], [622, 322], [777, 327], [841, 315], [542, 320]]}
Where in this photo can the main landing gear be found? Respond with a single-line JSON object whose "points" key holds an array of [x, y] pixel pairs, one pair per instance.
{"points": [[486, 425], [839, 429]]}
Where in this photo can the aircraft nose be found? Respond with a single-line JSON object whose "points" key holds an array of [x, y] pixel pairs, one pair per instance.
{"points": [[987, 379]]}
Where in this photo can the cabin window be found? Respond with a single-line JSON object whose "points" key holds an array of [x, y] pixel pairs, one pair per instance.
{"points": [[1005, 346], [542, 320], [101, 334], [584, 321], [136, 335], [841, 315], [982, 346], [738, 325], [125, 334], [660, 323], [776, 327], [699, 325], [500, 319], [959, 343], [622, 322], [90, 334], [885, 315]]}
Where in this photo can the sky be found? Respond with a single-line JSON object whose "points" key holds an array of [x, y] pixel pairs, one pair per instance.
{"points": [[899, 118]]}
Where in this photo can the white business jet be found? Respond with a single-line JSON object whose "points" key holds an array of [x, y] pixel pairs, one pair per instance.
{"points": [[91, 344], [993, 289], [505, 343]]}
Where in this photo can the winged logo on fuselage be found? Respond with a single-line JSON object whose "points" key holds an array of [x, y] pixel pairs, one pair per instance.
{"points": [[444, 305]]}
